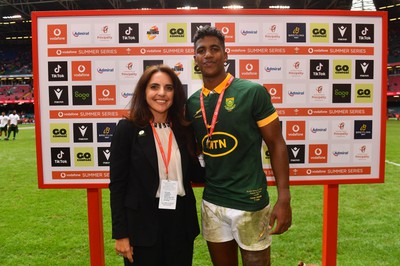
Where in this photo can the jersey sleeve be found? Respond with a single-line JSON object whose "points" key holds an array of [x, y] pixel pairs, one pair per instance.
{"points": [[263, 110]]}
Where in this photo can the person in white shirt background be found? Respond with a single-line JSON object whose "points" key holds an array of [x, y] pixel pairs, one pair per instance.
{"points": [[12, 124], [3, 124]]}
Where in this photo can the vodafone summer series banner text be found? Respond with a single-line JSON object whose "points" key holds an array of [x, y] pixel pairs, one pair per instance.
{"points": [[325, 71]]}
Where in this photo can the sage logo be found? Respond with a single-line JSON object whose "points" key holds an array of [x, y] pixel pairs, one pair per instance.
{"points": [[319, 69], [57, 71], [341, 93], [221, 144], [103, 156], [129, 33], [296, 32], [105, 131], [59, 133], [296, 153], [364, 33], [342, 33], [83, 156], [82, 95], [58, 95], [364, 93], [149, 63], [83, 132], [60, 157], [363, 129], [342, 69], [195, 27], [364, 69]]}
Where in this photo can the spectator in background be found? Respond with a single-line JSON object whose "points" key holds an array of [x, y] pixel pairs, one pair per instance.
{"points": [[12, 124], [3, 124]]}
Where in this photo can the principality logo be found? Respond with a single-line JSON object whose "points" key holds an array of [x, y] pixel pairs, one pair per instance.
{"points": [[230, 104]]}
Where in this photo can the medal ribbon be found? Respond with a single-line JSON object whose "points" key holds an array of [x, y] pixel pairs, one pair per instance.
{"points": [[210, 130], [165, 160]]}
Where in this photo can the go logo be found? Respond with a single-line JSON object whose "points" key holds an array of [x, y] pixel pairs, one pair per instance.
{"points": [[342, 68], [84, 155]]}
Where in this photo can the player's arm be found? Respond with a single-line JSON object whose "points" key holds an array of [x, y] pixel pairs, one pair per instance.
{"points": [[282, 212]]}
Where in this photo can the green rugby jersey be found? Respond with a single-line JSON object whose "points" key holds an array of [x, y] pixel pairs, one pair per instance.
{"points": [[234, 172]]}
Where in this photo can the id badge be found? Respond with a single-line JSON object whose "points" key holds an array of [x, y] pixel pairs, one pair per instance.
{"points": [[168, 194]]}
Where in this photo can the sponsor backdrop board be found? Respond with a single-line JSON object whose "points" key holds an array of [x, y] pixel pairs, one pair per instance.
{"points": [[325, 71]]}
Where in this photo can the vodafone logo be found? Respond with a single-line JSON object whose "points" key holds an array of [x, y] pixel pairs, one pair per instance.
{"points": [[81, 68], [225, 30], [318, 151], [296, 128], [249, 67], [106, 93], [57, 32]]}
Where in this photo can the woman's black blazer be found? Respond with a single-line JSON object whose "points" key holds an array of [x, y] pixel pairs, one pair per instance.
{"points": [[134, 180]]}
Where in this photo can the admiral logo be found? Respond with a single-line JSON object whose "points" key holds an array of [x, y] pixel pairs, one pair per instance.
{"points": [[106, 95], [57, 71], [230, 66], [60, 157], [342, 33], [149, 63], [228, 30], [105, 131], [340, 153], [248, 32], [102, 70], [319, 32], [275, 91], [318, 153], [364, 33], [195, 27], [319, 69], [83, 132], [272, 69], [364, 93], [57, 34], [129, 33], [77, 34], [296, 32], [341, 93], [103, 156], [59, 133], [221, 144], [58, 95], [152, 33], [364, 69], [81, 70], [176, 32], [126, 94], [249, 69], [295, 130], [82, 95], [363, 129], [342, 69], [318, 130], [296, 153], [295, 93], [83, 156]]}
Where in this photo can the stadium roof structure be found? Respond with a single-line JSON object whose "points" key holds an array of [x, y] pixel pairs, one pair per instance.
{"points": [[15, 23]]}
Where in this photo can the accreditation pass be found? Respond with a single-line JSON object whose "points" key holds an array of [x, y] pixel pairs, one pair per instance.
{"points": [[168, 194]]}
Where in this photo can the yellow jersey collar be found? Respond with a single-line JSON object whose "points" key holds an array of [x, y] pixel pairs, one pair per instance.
{"points": [[219, 88]]}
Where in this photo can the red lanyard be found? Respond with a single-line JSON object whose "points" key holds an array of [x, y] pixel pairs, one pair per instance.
{"points": [[216, 110], [165, 160]]}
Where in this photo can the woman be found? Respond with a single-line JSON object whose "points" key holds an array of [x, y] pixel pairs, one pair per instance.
{"points": [[154, 217]]}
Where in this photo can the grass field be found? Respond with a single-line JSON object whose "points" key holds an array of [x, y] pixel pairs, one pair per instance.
{"points": [[49, 226]]}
